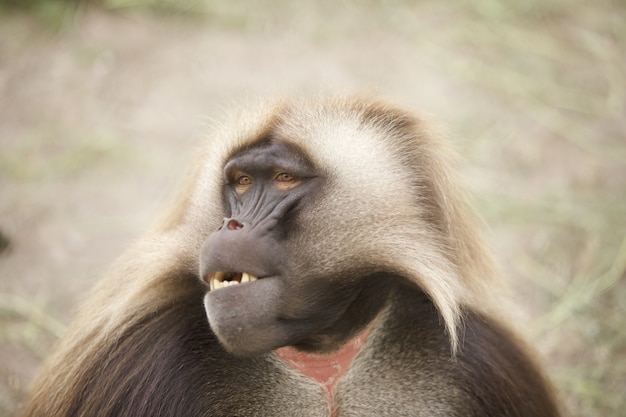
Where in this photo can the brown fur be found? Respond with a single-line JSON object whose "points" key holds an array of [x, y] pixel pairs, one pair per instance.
{"points": [[141, 345]]}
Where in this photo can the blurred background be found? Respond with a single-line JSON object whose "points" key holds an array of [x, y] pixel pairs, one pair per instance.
{"points": [[102, 104]]}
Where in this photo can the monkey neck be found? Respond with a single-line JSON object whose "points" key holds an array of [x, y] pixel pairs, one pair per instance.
{"points": [[325, 368]]}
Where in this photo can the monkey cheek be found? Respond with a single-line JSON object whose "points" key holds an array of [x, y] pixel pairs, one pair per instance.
{"points": [[245, 317]]}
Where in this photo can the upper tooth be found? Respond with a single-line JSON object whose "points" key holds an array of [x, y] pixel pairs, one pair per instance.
{"points": [[217, 281], [213, 280], [245, 277]]}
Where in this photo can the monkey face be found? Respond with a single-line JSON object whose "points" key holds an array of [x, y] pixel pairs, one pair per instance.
{"points": [[324, 208], [258, 300]]}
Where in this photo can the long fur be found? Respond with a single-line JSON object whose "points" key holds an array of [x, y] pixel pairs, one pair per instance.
{"points": [[419, 226]]}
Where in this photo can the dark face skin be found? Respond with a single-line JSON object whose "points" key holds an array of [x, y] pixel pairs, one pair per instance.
{"points": [[258, 299]]}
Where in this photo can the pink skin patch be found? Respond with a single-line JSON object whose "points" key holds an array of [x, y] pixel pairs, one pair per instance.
{"points": [[234, 225], [325, 369]]}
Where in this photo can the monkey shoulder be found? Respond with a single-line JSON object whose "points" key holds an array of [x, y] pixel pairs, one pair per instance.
{"points": [[407, 365]]}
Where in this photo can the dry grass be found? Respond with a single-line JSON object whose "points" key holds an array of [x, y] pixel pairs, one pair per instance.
{"points": [[96, 107]]}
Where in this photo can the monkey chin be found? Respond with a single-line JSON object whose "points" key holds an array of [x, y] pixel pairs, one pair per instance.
{"points": [[247, 326], [245, 317]]}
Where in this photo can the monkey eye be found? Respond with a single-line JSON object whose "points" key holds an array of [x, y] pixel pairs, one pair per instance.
{"points": [[285, 181], [244, 180], [241, 182], [284, 177]]}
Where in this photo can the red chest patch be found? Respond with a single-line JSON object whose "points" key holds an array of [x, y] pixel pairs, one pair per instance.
{"points": [[325, 369]]}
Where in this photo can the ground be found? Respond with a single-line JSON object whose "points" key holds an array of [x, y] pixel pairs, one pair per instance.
{"points": [[101, 109]]}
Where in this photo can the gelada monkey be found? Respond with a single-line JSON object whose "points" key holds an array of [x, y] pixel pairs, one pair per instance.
{"points": [[320, 260]]}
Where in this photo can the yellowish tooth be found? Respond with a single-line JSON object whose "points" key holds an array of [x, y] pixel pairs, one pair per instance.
{"points": [[217, 281], [214, 280]]}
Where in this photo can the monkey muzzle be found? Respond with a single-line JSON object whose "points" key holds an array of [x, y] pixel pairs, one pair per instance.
{"points": [[239, 253]]}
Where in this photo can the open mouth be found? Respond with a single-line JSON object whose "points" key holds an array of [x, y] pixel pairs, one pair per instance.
{"points": [[221, 279]]}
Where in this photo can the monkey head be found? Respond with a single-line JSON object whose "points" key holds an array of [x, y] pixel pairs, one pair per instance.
{"points": [[317, 210]]}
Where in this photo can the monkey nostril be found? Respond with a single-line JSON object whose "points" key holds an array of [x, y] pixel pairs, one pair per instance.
{"points": [[234, 225]]}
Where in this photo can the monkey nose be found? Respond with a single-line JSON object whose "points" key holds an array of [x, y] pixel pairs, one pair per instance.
{"points": [[233, 224]]}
